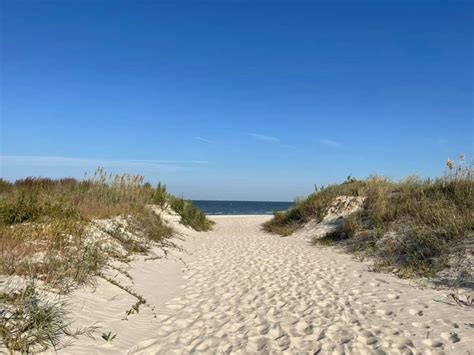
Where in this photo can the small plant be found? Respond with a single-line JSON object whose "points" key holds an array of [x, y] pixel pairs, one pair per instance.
{"points": [[135, 309], [108, 337]]}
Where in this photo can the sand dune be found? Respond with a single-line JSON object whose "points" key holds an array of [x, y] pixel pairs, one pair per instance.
{"points": [[241, 290]]}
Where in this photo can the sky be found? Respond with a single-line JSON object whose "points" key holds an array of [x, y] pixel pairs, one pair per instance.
{"points": [[242, 100]]}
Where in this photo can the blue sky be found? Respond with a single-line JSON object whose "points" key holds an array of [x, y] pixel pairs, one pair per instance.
{"points": [[235, 99]]}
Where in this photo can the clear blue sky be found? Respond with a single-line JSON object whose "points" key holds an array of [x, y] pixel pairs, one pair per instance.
{"points": [[234, 99]]}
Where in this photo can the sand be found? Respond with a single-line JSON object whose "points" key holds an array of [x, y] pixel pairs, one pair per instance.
{"points": [[240, 290]]}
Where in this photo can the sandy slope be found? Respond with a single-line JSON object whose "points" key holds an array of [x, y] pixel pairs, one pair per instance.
{"points": [[245, 291]]}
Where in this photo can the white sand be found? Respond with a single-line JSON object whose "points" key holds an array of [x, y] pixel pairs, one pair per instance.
{"points": [[245, 291]]}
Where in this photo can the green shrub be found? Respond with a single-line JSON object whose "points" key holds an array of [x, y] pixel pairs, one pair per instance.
{"points": [[190, 215], [160, 196], [23, 208], [5, 186]]}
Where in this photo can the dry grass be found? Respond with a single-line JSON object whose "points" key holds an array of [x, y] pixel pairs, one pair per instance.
{"points": [[314, 207], [42, 222], [413, 226], [55, 253], [44, 230]]}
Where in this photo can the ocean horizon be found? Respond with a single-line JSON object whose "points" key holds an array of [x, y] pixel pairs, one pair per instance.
{"points": [[228, 207]]}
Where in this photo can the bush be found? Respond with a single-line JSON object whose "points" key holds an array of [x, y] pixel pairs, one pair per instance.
{"points": [[190, 215], [5, 186]]}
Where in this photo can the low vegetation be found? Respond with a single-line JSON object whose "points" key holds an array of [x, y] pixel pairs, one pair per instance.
{"points": [[190, 215], [46, 236], [31, 321], [414, 227], [108, 337]]}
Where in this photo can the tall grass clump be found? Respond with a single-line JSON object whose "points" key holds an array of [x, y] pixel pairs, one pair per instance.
{"points": [[30, 323], [414, 226]]}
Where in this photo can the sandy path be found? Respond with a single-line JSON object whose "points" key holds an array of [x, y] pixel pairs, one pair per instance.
{"points": [[246, 291]]}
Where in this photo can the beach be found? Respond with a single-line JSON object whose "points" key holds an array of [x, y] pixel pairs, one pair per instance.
{"points": [[237, 177], [238, 289]]}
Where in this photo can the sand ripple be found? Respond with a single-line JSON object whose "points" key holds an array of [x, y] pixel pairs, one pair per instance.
{"points": [[245, 291]]}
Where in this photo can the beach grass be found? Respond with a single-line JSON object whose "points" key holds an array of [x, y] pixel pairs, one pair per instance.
{"points": [[45, 234], [414, 226], [32, 322]]}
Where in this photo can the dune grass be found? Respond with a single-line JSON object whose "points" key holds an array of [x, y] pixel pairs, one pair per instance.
{"points": [[33, 322], [42, 223], [414, 225], [44, 229]]}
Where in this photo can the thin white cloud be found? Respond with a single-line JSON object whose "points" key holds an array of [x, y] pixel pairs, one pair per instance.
{"points": [[330, 143], [168, 161], [203, 139], [57, 161], [263, 137]]}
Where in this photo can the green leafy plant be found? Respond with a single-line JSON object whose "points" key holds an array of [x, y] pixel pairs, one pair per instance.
{"points": [[108, 337]]}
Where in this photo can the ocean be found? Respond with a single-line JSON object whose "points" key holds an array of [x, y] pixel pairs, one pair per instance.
{"points": [[240, 207]]}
